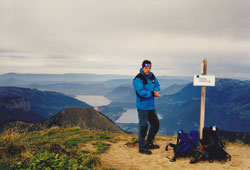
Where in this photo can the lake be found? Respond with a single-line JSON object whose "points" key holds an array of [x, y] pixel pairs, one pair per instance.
{"points": [[130, 116], [94, 101]]}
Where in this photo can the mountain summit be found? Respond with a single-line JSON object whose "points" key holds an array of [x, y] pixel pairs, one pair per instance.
{"points": [[85, 118]]}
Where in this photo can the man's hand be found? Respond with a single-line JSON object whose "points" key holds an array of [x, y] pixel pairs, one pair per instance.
{"points": [[157, 94]]}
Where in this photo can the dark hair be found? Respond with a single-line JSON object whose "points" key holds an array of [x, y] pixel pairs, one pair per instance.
{"points": [[146, 62]]}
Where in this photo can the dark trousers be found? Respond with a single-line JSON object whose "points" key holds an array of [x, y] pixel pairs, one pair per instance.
{"points": [[146, 116]]}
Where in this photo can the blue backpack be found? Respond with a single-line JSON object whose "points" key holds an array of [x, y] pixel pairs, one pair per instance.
{"points": [[212, 148], [185, 145]]}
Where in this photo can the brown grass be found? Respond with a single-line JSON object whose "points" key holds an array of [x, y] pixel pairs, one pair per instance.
{"points": [[14, 147]]}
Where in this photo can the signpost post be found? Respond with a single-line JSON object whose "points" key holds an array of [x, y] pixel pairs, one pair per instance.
{"points": [[203, 80], [203, 98]]}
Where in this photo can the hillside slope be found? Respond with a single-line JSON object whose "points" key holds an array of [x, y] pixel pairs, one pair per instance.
{"points": [[85, 118]]}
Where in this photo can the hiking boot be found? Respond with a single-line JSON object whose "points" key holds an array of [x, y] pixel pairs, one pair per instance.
{"points": [[145, 151], [151, 146], [173, 159]]}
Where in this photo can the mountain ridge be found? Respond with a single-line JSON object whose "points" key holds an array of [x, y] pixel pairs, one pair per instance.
{"points": [[227, 106], [85, 118], [17, 108], [45, 103]]}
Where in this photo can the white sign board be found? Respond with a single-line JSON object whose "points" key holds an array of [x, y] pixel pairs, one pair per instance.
{"points": [[204, 80]]}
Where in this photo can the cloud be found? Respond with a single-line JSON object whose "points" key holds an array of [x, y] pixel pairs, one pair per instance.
{"points": [[102, 36]]}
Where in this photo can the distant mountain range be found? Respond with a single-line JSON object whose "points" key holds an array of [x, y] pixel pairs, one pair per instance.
{"points": [[76, 84], [126, 92], [227, 106], [85, 118], [81, 77], [122, 93], [70, 77], [33, 105], [172, 89]]}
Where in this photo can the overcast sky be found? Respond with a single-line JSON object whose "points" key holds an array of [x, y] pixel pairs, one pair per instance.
{"points": [[115, 36]]}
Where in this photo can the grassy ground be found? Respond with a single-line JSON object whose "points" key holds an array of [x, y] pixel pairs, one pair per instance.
{"points": [[55, 148], [76, 149]]}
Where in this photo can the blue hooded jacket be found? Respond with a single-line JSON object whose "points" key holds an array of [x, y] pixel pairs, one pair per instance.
{"points": [[146, 101]]}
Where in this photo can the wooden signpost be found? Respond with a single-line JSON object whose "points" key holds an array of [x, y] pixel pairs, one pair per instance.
{"points": [[203, 98], [203, 80]]}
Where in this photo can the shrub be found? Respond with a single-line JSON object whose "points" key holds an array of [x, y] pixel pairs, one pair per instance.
{"points": [[49, 161], [70, 143], [133, 142], [12, 145], [102, 147]]}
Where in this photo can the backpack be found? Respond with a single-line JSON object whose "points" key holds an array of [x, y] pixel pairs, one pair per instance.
{"points": [[211, 147], [142, 77], [185, 145]]}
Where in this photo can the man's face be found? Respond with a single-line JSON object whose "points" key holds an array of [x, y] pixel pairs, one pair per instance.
{"points": [[146, 70]]}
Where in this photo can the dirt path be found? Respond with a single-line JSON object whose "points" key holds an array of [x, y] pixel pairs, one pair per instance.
{"points": [[122, 157]]}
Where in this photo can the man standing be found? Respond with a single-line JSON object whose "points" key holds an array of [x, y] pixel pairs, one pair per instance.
{"points": [[147, 87]]}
